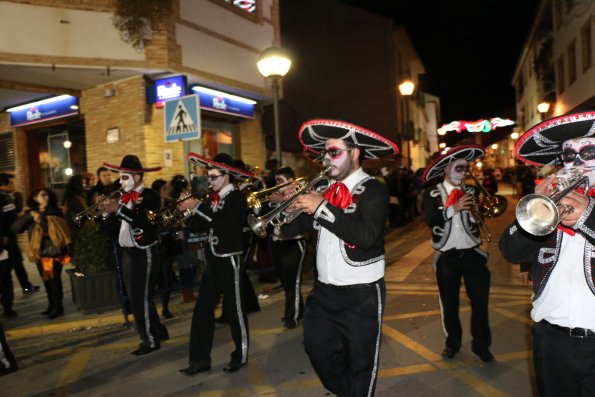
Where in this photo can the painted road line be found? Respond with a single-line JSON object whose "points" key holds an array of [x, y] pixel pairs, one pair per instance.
{"points": [[73, 370], [512, 315], [478, 384], [400, 269], [410, 344], [258, 380]]}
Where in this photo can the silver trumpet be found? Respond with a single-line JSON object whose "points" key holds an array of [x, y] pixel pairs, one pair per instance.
{"points": [[280, 216], [93, 212], [540, 214]]}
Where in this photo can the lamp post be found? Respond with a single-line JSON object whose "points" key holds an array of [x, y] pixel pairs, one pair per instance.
{"points": [[543, 108], [406, 88], [274, 63]]}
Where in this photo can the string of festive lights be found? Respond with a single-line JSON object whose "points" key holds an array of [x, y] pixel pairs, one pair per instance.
{"points": [[482, 125]]}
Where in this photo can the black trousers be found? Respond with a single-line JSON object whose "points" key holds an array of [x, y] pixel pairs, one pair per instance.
{"points": [[17, 263], [7, 361], [564, 364], [222, 275], [140, 271], [6, 290], [53, 286], [342, 335], [288, 257], [470, 265]]}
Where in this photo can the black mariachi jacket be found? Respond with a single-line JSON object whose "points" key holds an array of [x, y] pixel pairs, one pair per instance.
{"points": [[518, 246], [223, 223], [359, 227], [436, 217], [8, 214], [144, 234]]}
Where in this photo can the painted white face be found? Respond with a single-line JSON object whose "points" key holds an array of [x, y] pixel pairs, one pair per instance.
{"points": [[126, 181], [579, 153], [217, 179], [338, 156], [456, 171]]}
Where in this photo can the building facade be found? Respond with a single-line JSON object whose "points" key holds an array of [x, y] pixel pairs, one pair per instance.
{"points": [[73, 48]]}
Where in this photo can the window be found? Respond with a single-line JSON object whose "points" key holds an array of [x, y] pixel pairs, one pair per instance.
{"points": [[6, 151], [572, 62], [250, 9], [586, 45], [560, 74]]}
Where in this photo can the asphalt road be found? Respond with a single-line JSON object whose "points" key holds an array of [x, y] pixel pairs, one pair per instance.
{"points": [[89, 354]]}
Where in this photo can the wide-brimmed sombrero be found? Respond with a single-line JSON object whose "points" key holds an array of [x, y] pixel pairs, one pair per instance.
{"points": [[466, 152], [314, 133], [222, 161], [131, 164], [542, 144]]}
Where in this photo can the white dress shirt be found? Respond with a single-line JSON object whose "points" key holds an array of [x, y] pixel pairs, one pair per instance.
{"points": [[332, 268], [458, 238], [566, 299], [125, 236]]}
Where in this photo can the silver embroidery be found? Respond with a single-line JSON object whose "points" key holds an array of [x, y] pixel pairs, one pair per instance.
{"points": [[324, 213]]}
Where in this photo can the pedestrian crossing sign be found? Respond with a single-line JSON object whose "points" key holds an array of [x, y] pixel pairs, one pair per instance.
{"points": [[182, 119]]}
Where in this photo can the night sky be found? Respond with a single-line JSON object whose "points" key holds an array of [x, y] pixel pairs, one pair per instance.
{"points": [[469, 49]]}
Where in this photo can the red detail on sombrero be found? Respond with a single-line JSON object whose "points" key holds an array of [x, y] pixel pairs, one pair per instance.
{"points": [[348, 126], [450, 153], [546, 125], [197, 158]]}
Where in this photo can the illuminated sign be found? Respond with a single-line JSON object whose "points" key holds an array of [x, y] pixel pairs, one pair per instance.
{"points": [[46, 109], [221, 102], [166, 89], [475, 126]]}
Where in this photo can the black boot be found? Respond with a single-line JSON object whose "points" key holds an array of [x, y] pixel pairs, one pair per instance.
{"points": [[56, 313]]}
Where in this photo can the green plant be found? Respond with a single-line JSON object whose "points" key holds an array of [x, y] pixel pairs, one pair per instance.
{"points": [[93, 250]]}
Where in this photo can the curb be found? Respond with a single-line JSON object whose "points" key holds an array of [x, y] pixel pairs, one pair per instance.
{"points": [[47, 329]]}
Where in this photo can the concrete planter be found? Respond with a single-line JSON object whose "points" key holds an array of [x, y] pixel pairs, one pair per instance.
{"points": [[95, 292]]}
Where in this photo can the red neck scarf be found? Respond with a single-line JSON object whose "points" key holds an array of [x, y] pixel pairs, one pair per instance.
{"points": [[131, 195], [454, 196], [214, 199], [338, 195]]}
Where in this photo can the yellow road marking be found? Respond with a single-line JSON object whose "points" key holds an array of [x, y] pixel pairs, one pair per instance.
{"points": [[259, 381], [73, 369], [478, 384], [514, 316], [410, 343], [407, 370]]}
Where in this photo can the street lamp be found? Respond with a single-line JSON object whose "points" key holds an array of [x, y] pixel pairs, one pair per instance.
{"points": [[274, 62], [543, 108], [406, 88]]}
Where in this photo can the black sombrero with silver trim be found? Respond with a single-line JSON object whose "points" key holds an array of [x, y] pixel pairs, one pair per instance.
{"points": [[542, 144], [130, 164], [222, 161], [466, 152], [314, 133]]}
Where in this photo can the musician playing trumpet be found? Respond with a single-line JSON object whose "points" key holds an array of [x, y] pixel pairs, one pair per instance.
{"points": [[137, 238], [448, 210], [562, 260], [343, 314], [223, 216]]}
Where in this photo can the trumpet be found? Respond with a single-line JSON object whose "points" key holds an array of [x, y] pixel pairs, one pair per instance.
{"points": [[256, 199], [280, 216], [540, 214], [92, 212], [170, 215]]}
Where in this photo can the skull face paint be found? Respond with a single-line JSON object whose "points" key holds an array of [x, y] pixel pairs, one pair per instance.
{"points": [[579, 153], [455, 171], [126, 181]]}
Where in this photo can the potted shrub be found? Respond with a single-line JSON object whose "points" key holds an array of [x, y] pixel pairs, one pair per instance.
{"points": [[94, 279]]}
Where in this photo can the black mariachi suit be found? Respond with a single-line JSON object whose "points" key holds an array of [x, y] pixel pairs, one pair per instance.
{"points": [[7, 361], [342, 324], [140, 265], [223, 274], [8, 214], [451, 265], [563, 362]]}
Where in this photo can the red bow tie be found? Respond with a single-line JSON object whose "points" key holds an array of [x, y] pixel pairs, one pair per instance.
{"points": [[454, 196], [214, 199], [338, 195], [131, 195]]}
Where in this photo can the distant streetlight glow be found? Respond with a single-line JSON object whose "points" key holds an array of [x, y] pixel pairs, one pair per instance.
{"points": [[495, 146], [543, 107], [442, 145], [406, 88], [514, 135]]}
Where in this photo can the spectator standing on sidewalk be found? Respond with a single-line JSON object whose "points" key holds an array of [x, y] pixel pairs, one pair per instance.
{"points": [[8, 362]]}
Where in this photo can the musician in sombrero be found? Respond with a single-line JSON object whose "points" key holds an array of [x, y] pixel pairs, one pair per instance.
{"points": [[562, 259], [343, 314], [456, 239], [223, 216], [137, 238]]}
